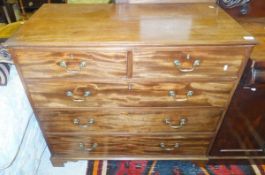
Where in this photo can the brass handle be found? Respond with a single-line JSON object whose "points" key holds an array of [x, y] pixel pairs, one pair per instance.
{"points": [[83, 147], [173, 94], [182, 122], [89, 123], [178, 65], [81, 65], [79, 99], [164, 147]]}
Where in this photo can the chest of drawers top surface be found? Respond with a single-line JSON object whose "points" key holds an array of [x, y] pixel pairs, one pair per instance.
{"points": [[130, 25]]}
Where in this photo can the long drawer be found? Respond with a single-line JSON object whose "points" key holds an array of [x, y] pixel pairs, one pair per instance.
{"points": [[129, 145], [81, 94], [71, 64], [137, 122], [188, 63]]}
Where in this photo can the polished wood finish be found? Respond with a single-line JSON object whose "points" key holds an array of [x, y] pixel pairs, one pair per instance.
{"points": [[111, 74], [129, 25], [126, 145], [138, 122], [46, 64], [213, 62], [256, 26], [253, 22], [247, 107], [54, 94]]}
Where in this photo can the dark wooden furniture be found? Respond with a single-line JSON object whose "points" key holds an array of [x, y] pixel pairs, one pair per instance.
{"points": [[245, 118], [255, 9], [130, 81], [244, 122]]}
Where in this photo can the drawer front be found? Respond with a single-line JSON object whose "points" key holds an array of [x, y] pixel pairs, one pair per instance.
{"points": [[95, 122], [67, 64], [188, 63], [129, 145], [80, 94]]}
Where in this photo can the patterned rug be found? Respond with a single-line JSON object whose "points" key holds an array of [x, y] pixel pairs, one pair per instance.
{"points": [[143, 167]]}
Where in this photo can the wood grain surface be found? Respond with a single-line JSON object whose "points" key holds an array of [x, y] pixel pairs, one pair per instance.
{"points": [[256, 27], [129, 145], [46, 64], [128, 24], [138, 122], [123, 70], [54, 94], [214, 62]]}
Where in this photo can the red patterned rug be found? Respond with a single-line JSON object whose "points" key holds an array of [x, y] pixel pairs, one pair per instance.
{"points": [[125, 167]]}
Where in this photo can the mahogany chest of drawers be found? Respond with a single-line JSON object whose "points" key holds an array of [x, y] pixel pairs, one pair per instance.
{"points": [[130, 81]]}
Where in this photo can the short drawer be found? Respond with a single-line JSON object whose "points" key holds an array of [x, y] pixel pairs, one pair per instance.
{"points": [[126, 145], [188, 63], [80, 94], [67, 64], [137, 122]]}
